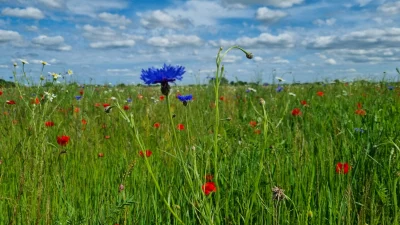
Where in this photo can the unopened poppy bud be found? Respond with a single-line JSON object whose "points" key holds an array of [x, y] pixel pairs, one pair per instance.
{"points": [[249, 55]]}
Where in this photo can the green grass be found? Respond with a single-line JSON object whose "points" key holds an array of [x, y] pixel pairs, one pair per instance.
{"points": [[44, 183]]}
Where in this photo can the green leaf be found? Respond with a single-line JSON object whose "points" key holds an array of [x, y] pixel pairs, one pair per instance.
{"points": [[398, 71]]}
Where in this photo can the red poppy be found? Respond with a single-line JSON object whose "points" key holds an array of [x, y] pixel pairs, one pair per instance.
{"points": [[126, 107], [36, 101], [180, 127], [84, 122], [359, 105], [303, 102], [76, 109], [97, 105], [296, 112], [63, 140], [222, 98], [209, 187], [320, 93], [342, 168], [105, 105], [162, 98], [257, 131], [10, 102], [100, 155], [361, 112], [253, 123], [81, 92], [107, 137], [1, 92], [140, 96], [156, 125], [49, 123], [147, 152]]}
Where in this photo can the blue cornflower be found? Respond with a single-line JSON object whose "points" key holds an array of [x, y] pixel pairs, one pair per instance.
{"points": [[265, 84], [163, 75], [78, 97], [185, 98], [11, 77], [359, 130], [128, 100], [391, 88], [279, 89]]}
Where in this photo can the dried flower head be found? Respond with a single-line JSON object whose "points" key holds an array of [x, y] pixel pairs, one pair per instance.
{"points": [[278, 194]]}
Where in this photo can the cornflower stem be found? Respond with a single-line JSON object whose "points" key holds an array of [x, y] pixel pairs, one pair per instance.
{"points": [[131, 121]]}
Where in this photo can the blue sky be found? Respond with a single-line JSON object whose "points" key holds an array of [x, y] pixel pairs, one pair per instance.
{"points": [[111, 41]]}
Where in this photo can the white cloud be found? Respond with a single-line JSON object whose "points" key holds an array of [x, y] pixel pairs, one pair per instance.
{"points": [[231, 59], [52, 3], [3, 66], [390, 8], [363, 3], [32, 28], [278, 60], [284, 40], [160, 19], [8, 36], [258, 59], [28, 13], [275, 3], [327, 22], [171, 41], [330, 61], [51, 43], [113, 44], [269, 16], [118, 70], [114, 19], [91, 8]]}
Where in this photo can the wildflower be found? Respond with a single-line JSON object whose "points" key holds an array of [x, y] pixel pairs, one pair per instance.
{"points": [[359, 130], [292, 94], [359, 105], [303, 102], [63, 140], [77, 110], [391, 88], [78, 97], [320, 93], [70, 72], [50, 96], [209, 187], [36, 101], [361, 112], [55, 76], [253, 123], [262, 101], [1, 93], [222, 98], [180, 127], [280, 79], [185, 98], [126, 107], [265, 84], [15, 65], [113, 98], [44, 63], [342, 168], [81, 92], [10, 102], [148, 153], [163, 76], [278, 193], [84, 122], [296, 112], [140, 96], [128, 100], [156, 125], [162, 98], [49, 123], [279, 89], [23, 61], [100, 155], [251, 90], [257, 131], [107, 136], [121, 187]]}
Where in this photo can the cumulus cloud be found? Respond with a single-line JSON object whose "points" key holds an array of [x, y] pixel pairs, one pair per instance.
{"points": [[106, 37], [327, 22], [114, 19], [390, 8], [160, 19], [231, 59], [171, 41], [9, 36], [330, 61], [28, 13], [55, 43], [92, 8], [267, 15], [275, 3], [278, 60], [363, 3], [258, 59], [284, 40], [52, 3]]}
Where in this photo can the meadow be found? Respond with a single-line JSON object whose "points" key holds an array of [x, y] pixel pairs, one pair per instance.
{"points": [[276, 154]]}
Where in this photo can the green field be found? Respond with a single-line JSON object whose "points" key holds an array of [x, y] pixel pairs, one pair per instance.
{"points": [[309, 154]]}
